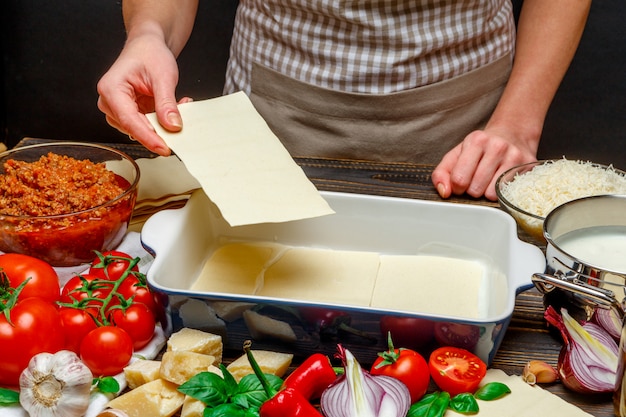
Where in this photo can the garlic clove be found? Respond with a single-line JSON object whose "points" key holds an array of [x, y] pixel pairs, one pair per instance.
{"points": [[55, 385], [539, 372]]}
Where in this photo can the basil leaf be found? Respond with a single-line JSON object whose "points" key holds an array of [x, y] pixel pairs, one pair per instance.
{"points": [[224, 410], [9, 397], [207, 387], [251, 393], [492, 391], [229, 379], [431, 405], [464, 403], [107, 384]]}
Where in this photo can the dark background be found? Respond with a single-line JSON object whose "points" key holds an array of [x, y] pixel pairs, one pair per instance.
{"points": [[54, 52]]}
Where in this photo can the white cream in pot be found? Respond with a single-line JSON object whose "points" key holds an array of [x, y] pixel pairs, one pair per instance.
{"points": [[601, 246]]}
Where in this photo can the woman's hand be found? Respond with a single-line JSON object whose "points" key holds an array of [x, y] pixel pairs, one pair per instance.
{"points": [[474, 165], [142, 80]]}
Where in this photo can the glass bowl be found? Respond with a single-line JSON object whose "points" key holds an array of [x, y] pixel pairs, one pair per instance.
{"points": [[70, 236], [531, 223], [554, 187]]}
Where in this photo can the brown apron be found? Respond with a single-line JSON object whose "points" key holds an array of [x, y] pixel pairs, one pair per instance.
{"points": [[419, 125]]}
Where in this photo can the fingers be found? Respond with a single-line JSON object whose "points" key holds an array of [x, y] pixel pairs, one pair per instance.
{"points": [[474, 166]]}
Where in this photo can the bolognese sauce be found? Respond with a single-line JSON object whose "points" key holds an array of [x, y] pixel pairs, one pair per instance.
{"points": [[60, 209]]}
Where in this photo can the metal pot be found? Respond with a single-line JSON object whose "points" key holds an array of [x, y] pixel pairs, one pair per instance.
{"points": [[578, 274], [584, 277]]}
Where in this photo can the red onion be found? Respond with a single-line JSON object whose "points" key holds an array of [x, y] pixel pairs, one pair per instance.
{"points": [[609, 319], [588, 359], [357, 393]]}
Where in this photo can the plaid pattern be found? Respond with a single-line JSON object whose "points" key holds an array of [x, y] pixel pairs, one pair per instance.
{"points": [[368, 46]]}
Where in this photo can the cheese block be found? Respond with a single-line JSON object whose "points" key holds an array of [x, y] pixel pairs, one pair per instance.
{"points": [[192, 408], [157, 398], [192, 340], [270, 362], [263, 327], [141, 371], [179, 366]]}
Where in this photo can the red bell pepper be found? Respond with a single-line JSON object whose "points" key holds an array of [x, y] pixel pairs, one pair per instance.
{"points": [[312, 377]]}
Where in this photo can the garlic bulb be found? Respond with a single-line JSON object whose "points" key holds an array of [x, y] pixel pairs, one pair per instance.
{"points": [[55, 385]]}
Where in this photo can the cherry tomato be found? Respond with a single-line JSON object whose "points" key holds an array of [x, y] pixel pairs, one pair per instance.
{"points": [[43, 282], [137, 320], [81, 287], [406, 365], [106, 350], [464, 336], [77, 323], [408, 332], [34, 327], [456, 370], [112, 265], [133, 287]]}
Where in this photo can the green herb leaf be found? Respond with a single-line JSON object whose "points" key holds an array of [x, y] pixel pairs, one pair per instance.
{"points": [[431, 405], [225, 410], [231, 383], [9, 397], [492, 391], [107, 384], [251, 392], [464, 403], [207, 387]]}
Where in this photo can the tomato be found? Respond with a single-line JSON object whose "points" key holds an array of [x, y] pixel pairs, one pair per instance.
{"points": [[408, 332], [77, 323], [456, 370], [43, 282], [464, 336], [406, 365], [81, 287], [106, 350], [137, 320], [133, 287], [112, 265], [36, 327]]}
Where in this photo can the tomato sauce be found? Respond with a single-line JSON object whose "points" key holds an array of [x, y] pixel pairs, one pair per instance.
{"points": [[56, 209]]}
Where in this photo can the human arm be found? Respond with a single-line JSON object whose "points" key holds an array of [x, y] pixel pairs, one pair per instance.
{"points": [[143, 79], [547, 38]]}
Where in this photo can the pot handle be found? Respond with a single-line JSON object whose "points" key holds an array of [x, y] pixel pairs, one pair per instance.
{"points": [[604, 298]]}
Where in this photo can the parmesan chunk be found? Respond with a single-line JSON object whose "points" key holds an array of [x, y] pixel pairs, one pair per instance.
{"points": [[275, 363], [192, 408], [192, 340], [157, 398], [141, 371], [178, 366]]}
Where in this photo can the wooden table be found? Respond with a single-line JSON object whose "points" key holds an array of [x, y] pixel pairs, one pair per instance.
{"points": [[527, 337]]}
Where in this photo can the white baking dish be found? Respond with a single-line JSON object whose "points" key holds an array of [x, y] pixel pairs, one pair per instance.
{"points": [[182, 241]]}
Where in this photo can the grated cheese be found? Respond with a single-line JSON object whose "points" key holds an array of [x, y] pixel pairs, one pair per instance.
{"points": [[553, 183]]}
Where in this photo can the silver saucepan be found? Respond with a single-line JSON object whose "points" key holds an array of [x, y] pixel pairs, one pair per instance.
{"points": [[585, 255]]}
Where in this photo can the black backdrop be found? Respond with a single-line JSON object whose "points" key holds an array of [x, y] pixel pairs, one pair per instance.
{"points": [[55, 51]]}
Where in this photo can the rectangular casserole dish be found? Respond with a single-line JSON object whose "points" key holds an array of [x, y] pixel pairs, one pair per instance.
{"points": [[183, 240]]}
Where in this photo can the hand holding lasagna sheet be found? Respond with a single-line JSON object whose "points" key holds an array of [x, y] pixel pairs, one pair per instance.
{"points": [[240, 164]]}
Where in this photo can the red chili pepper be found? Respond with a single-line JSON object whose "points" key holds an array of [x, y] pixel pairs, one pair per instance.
{"points": [[286, 402], [312, 377]]}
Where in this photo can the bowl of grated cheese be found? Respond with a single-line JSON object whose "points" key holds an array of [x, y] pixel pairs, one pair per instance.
{"points": [[529, 192]]}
